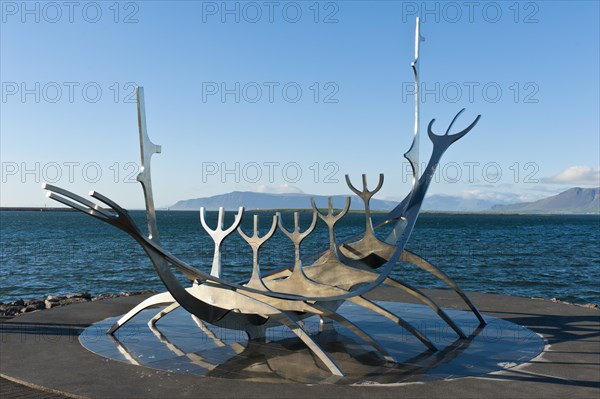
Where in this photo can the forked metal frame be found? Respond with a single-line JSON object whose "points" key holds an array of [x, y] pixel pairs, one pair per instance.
{"points": [[344, 272]]}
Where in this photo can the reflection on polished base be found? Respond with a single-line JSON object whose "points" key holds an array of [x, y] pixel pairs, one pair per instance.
{"points": [[187, 345]]}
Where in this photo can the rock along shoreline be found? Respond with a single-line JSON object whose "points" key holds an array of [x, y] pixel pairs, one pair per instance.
{"points": [[20, 306], [12, 309]]}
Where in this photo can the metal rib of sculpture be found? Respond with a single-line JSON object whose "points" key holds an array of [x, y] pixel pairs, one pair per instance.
{"points": [[343, 272]]}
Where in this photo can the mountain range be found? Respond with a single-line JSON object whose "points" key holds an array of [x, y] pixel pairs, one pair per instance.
{"points": [[252, 200], [573, 201]]}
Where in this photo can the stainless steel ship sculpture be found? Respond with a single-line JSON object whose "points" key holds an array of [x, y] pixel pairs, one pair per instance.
{"points": [[342, 272]]}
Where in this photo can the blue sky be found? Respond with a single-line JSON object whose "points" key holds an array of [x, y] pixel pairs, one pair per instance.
{"points": [[290, 96]]}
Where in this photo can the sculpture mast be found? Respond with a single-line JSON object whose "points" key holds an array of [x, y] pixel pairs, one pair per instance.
{"points": [[412, 155], [147, 149]]}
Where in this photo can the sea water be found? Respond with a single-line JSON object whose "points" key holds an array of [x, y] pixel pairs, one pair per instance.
{"points": [[49, 253]]}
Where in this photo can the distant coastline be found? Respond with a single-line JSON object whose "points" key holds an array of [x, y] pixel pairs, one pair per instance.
{"points": [[574, 201], [375, 212]]}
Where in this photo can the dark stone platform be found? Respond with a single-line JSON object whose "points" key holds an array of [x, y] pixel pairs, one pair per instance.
{"points": [[42, 350]]}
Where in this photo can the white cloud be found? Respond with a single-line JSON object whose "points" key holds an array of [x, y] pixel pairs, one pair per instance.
{"points": [[499, 197], [584, 175], [490, 195], [278, 189]]}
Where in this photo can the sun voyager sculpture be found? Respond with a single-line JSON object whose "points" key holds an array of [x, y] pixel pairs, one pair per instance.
{"points": [[342, 272]]}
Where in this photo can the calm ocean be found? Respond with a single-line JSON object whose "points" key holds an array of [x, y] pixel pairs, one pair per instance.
{"points": [[44, 253]]}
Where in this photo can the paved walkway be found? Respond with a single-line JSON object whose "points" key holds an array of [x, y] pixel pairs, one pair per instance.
{"points": [[11, 390], [42, 348]]}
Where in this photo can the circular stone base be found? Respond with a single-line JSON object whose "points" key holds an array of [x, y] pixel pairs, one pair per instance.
{"points": [[43, 350], [179, 344]]}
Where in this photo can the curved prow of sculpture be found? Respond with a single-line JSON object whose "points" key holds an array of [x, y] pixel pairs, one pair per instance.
{"points": [[440, 144], [444, 141], [413, 201], [120, 218]]}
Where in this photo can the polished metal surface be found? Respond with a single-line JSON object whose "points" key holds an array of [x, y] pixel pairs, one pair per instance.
{"points": [[218, 234], [255, 243], [412, 155], [369, 250], [147, 149], [180, 346], [341, 274]]}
